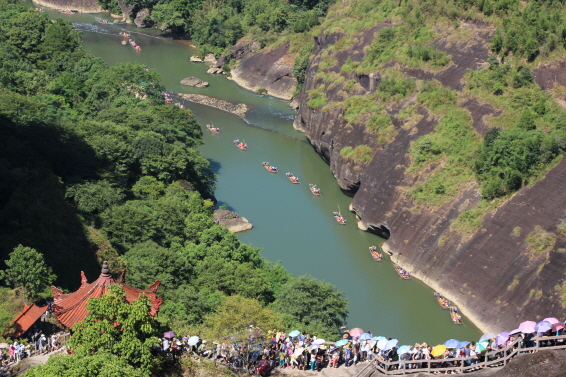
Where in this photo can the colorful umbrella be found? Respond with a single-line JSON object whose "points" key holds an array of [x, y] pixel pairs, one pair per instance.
{"points": [[487, 336], [390, 344], [313, 347], [551, 320], [462, 344], [451, 343], [356, 332], [378, 338], [169, 335], [558, 326], [513, 332], [481, 346], [403, 349], [543, 326], [365, 336], [295, 333], [4, 345], [319, 341], [438, 350], [341, 342], [298, 352], [502, 338], [527, 327], [381, 344]]}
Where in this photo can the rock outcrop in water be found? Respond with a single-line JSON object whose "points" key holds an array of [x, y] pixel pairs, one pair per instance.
{"points": [[240, 109], [488, 274], [194, 81], [232, 220]]}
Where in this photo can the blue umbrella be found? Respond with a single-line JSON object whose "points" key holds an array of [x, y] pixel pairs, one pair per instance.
{"points": [[451, 343], [381, 344], [403, 349], [462, 344], [378, 338], [487, 336], [390, 344], [543, 326], [294, 333], [365, 336], [341, 342]]}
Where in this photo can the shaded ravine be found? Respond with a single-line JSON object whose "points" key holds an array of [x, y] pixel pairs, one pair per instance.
{"points": [[291, 224]]}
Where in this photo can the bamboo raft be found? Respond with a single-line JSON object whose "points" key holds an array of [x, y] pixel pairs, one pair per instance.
{"points": [[269, 168], [399, 270], [212, 129], [294, 180], [375, 254], [442, 301], [456, 318], [315, 191], [101, 21], [241, 145], [339, 218]]}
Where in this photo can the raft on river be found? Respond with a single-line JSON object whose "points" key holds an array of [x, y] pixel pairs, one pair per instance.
{"points": [[315, 190], [442, 301], [213, 129], [376, 255], [404, 274], [269, 168], [241, 145], [456, 318], [339, 218], [294, 180]]}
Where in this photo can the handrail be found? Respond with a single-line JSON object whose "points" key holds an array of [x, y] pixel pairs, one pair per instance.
{"points": [[490, 358]]}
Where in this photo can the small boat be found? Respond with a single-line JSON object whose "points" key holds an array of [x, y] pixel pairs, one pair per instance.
{"points": [[241, 145], [101, 20], [213, 129], [68, 11], [339, 218], [456, 318], [294, 180], [404, 274], [269, 168], [376, 255], [442, 301], [315, 190]]}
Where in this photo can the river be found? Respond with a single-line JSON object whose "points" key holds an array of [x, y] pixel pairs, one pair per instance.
{"points": [[290, 224]]}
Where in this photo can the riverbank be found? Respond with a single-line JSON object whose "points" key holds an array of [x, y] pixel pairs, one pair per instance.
{"points": [[81, 6], [239, 109]]}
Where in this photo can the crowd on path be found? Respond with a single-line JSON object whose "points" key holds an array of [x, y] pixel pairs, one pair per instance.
{"points": [[306, 352]]}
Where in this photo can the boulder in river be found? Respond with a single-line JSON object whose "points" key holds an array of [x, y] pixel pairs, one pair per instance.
{"points": [[194, 81], [210, 58], [142, 18], [215, 70], [231, 220], [195, 59]]}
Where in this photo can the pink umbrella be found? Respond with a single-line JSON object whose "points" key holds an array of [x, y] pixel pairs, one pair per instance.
{"points": [[356, 332], [319, 341], [555, 327], [502, 338], [527, 327], [551, 320]]}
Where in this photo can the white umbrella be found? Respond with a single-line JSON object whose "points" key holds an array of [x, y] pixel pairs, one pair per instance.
{"points": [[390, 344], [319, 341], [193, 340], [381, 344]]}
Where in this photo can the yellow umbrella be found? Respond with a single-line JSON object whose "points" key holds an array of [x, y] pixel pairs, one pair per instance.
{"points": [[438, 350]]}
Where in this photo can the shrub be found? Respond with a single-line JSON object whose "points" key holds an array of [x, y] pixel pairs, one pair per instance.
{"points": [[539, 242], [317, 98]]}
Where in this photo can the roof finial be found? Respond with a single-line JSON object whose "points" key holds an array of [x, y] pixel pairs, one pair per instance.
{"points": [[105, 269]]}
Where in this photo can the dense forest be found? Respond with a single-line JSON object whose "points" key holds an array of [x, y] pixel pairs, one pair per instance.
{"points": [[96, 167]]}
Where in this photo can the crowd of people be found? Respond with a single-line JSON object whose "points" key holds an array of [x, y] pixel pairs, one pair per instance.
{"points": [[307, 352]]}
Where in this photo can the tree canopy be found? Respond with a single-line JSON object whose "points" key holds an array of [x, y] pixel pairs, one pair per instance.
{"points": [[27, 269]]}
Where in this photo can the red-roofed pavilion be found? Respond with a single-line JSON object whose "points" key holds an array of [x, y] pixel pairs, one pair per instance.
{"points": [[71, 308], [27, 317]]}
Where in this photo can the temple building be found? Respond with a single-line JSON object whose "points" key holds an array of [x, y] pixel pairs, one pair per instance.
{"points": [[71, 308]]}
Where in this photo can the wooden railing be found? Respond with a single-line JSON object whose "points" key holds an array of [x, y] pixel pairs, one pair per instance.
{"points": [[499, 357]]}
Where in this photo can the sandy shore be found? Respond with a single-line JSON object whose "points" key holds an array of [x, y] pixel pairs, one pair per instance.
{"points": [[70, 5], [239, 109]]}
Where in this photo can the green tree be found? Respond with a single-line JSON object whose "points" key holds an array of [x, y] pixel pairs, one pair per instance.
{"points": [[94, 197], [27, 269], [315, 304], [103, 365], [116, 327]]}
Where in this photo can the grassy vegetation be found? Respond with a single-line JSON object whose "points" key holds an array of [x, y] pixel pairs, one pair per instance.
{"points": [[317, 98], [12, 302], [362, 153], [468, 222], [539, 242]]}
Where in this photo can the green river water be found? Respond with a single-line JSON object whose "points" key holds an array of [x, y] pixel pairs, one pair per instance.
{"points": [[290, 224]]}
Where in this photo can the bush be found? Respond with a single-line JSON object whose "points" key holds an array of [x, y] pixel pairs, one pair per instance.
{"points": [[317, 98]]}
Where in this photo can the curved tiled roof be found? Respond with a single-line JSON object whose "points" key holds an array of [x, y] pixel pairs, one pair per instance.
{"points": [[27, 318], [70, 308]]}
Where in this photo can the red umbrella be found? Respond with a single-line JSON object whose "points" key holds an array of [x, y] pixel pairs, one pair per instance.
{"points": [[555, 327], [356, 332], [262, 367]]}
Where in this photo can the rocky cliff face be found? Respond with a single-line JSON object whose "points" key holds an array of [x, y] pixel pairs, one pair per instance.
{"points": [[490, 274], [267, 69]]}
